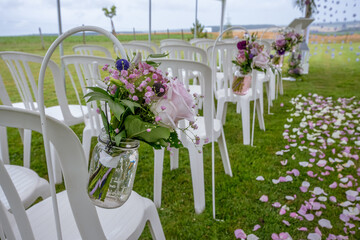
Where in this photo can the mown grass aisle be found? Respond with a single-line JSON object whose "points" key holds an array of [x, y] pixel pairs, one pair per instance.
{"points": [[321, 158]]}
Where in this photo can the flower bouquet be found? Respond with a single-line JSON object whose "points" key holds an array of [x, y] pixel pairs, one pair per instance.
{"points": [[285, 42], [145, 105], [295, 69], [251, 56]]}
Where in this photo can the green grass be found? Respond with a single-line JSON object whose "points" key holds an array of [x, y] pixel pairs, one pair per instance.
{"points": [[237, 197]]}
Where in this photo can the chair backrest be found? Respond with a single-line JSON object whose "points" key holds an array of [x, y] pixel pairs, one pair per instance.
{"points": [[173, 41], [73, 163], [153, 45], [177, 68], [22, 70], [91, 50], [185, 52], [225, 53], [133, 48], [203, 43], [87, 69]]}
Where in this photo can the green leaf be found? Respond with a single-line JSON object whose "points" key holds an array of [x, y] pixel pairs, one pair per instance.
{"points": [[158, 55], [130, 104], [117, 108], [98, 96], [119, 136], [105, 121], [136, 128], [99, 90]]}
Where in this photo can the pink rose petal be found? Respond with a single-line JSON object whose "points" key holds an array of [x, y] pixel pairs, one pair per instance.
{"points": [[282, 211], [304, 229], [264, 198], [276, 204], [239, 233], [333, 185], [332, 199], [256, 227], [325, 223], [286, 222], [309, 217]]}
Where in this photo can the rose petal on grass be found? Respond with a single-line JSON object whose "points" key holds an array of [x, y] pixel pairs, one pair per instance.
{"points": [[239, 233], [260, 178], [332, 199], [286, 222], [256, 227], [333, 185], [264, 198], [314, 236], [282, 211], [304, 229], [252, 237], [325, 223], [276, 204]]}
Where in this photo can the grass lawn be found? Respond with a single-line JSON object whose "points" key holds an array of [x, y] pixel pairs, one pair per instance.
{"points": [[237, 198]]}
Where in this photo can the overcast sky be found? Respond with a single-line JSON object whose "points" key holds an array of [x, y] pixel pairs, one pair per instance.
{"points": [[18, 17]]}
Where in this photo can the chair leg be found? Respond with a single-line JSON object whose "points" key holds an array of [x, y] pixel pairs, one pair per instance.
{"points": [[4, 148], [281, 88], [221, 110], [155, 227], [174, 158], [238, 107], [224, 153], [245, 117], [86, 143], [56, 164], [260, 116], [197, 175], [27, 148], [158, 171]]}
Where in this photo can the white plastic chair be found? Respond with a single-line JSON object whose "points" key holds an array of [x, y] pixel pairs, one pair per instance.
{"points": [[28, 184], [133, 48], [174, 42], [79, 218], [21, 66], [226, 53], [187, 52], [267, 77], [153, 45], [207, 125], [269, 35], [91, 50], [88, 74]]}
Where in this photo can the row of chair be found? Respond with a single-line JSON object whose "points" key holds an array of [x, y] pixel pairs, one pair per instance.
{"points": [[197, 66]]}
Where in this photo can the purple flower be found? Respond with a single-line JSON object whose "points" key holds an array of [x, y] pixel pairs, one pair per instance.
{"points": [[271, 56], [251, 56], [122, 64], [241, 45], [281, 51]]}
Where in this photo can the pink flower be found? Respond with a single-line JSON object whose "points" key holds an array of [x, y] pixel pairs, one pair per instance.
{"points": [[177, 103], [135, 98], [261, 60], [280, 41]]}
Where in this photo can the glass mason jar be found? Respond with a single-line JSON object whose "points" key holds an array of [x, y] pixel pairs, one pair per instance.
{"points": [[241, 83], [112, 171]]}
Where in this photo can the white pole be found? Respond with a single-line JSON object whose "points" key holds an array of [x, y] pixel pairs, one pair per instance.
{"points": [[196, 9], [223, 3], [149, 21]]}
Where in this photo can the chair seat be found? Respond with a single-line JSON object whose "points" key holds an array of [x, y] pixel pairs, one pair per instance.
{"points": [[27, 183], [234, 97], [116, 224], [55, 112]]}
